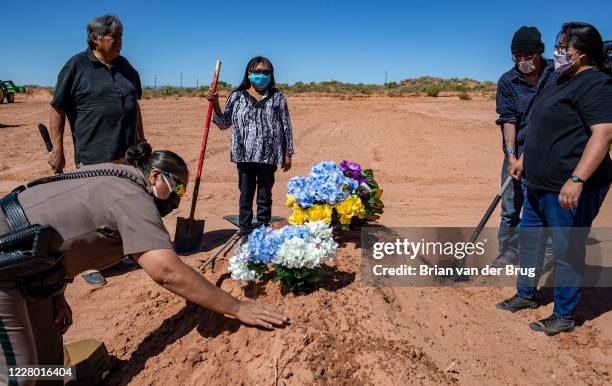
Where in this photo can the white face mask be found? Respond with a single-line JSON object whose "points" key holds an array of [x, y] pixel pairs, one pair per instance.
{"points": [[526, 66], [167, 184], [562, 61]]}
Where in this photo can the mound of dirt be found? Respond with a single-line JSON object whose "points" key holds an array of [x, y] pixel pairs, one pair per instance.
{"points": [[335, 336]]}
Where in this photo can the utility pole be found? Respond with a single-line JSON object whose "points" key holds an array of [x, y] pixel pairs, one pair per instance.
{"points": [[385, 77], [155, 82], [197, 82], [181, 79]]}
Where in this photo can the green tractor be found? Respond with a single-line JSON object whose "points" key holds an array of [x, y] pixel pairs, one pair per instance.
{"points": [[8, 90]]}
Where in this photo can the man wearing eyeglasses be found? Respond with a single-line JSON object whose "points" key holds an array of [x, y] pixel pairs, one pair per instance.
{"points": [[516, 90], [97, 91]]}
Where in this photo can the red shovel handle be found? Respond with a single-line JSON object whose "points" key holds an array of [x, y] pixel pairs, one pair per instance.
{"points": [[213, 88], [196, 185]]}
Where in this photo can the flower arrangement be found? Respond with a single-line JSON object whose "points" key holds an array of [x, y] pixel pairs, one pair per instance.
{"points": [[335, 194], [294, 252]]}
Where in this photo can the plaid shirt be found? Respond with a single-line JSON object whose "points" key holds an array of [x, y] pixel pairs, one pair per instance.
{"points": [[515, 96]]}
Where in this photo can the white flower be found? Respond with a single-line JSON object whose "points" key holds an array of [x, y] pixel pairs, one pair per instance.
{"points": [[238, 265], [310, 252], [320, 230]]}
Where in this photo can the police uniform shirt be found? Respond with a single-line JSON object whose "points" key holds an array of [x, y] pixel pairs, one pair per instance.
{"points": [[100, 103], [101, 219]]}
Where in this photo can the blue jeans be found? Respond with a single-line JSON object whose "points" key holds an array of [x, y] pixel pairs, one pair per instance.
{"points": [[511, 204], [568, 231]]}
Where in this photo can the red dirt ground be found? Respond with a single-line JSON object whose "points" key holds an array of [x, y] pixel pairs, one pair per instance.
{"points": [[438, 161]]}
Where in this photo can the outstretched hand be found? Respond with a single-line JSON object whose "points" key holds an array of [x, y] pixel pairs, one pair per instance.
{"points": [[260, 314]]}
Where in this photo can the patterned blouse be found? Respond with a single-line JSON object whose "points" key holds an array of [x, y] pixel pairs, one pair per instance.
{"points": [[261, 130]]}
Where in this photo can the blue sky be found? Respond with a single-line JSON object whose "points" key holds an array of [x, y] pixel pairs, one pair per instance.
{"points": [[351, 41]]}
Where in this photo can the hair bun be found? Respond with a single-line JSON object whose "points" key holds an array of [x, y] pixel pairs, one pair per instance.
{"points": [[138, 153]]}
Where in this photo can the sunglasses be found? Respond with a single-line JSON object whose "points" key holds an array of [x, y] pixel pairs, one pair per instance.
{"points": [[179, 187]]}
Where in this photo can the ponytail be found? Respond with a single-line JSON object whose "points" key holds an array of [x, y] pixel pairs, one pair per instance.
{"points": [[143, 158]]}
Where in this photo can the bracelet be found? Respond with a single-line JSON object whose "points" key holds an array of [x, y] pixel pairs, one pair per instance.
{"points": [[509, 152]]}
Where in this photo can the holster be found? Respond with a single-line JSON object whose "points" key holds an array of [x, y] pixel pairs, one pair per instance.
{"points": [[28, 252], [29, 255]]}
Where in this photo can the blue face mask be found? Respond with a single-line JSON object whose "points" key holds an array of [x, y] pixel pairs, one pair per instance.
{"points": [[260, 81]]}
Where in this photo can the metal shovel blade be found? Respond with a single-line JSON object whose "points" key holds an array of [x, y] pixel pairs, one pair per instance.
{"points": [[189, 235]]}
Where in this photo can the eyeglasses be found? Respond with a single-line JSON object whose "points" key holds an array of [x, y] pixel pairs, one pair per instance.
{"points": [[179, 187], [522, 58], [264, 72]]}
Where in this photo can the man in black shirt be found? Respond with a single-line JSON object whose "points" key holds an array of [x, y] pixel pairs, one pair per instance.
{"points": [[98, 91]]}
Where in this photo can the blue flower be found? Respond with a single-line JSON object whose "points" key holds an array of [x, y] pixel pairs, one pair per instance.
{"points": [[263, 245], [326, 183], [290, 232]]}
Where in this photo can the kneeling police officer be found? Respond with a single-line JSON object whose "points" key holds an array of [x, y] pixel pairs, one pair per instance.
{"points": [[58, 226]]}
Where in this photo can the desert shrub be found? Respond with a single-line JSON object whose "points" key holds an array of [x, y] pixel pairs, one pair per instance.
{"points": [[432, 90], [147, 93], [427, 84], [464, 96], [168, 91]]}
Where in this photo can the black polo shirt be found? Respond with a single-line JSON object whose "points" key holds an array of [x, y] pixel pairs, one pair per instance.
{"points": [[560, 121], [100, 103]]}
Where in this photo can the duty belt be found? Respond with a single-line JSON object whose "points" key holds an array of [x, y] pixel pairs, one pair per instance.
{"points": [[15, 216]]}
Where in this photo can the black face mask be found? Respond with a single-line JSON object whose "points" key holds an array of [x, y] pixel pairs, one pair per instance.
{"points": [[164, 207]]}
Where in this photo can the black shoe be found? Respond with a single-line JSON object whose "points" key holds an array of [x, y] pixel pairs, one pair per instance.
{"points": [[553, 325], [502, 261], [517, 303], [94, 278]]}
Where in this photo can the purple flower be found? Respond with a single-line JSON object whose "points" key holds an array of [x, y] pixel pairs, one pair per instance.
{"points": [[353, 170]]}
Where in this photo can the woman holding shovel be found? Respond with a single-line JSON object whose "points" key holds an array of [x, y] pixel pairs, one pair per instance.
{"points": [[261, 137], [93, 218]]}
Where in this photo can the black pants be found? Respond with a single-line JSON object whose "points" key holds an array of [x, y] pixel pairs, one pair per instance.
{"points": [[252, 176]]}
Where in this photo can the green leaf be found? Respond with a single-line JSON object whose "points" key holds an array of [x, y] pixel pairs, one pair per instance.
{"points": [[260, 269]]}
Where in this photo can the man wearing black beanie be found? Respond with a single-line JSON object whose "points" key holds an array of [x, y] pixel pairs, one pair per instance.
{"points": [[516, 90]]}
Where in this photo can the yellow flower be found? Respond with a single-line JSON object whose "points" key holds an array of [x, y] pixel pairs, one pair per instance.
{"points": [[349, 208], [298, 217], [290, 201], [345, 220], [319, 212]]}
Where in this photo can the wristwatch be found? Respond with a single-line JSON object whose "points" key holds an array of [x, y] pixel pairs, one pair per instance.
{"points": [[577, 179], [509, 152]]}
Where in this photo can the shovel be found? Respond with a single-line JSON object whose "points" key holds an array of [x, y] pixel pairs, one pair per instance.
{"points": [[189, 233], [476, 232]]}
